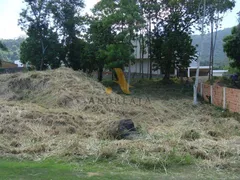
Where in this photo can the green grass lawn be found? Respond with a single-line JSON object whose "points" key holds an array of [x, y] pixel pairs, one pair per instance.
{"points": [[87, 169]]}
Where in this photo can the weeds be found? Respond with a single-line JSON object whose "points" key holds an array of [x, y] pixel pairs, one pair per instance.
{"points": [[160, 161], [191, 135]]}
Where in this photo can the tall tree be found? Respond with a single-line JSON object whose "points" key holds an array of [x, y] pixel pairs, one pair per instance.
{"points": [[151, 13], [216, 10], [90, 62], [54, 25], [142, 51], [69, 24], [172, 50], [36, 16], [232, 46], [172, 44], [100, 36], [124, 18], [30, 49]]}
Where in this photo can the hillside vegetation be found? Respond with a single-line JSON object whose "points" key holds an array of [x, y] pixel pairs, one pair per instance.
{"points": [[13, 46], [220, 58]]}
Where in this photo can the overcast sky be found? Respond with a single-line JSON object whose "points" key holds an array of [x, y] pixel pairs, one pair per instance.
{"points": [[10, 9]]}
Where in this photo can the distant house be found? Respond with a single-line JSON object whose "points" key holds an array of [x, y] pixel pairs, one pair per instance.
{"points": [[6, 65], [219, 72], [142, 65], [9, 67], [19, 63], [203, 70]]}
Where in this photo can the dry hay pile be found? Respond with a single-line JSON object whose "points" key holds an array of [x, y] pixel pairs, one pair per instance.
{"points": [[52, 113], [62, 88], [44, 112]]}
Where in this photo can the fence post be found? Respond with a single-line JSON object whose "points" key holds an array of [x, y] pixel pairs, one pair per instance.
{"points": [[211, 94], [224, 98]]}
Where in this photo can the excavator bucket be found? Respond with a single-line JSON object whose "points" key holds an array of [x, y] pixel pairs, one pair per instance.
{"points": [[122, 81]]}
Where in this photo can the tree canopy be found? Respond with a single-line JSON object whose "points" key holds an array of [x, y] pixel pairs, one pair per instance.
{"points": [[53, 29], [3, 48], [172, 43], [232, 46], [59, 34]]}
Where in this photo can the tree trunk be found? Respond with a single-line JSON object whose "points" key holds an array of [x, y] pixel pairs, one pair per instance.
{"points": [[195, 87], [149, 50], [113, 73], [129, 73], [166, 77], [42, 59], [167, 73], [214, 45], [41, 65], [150, 77], [140, 55], [210, 77], [43, 54], [142, 59], [100, 74]]}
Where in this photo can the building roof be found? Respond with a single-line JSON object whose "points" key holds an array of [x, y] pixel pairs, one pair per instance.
{"points": [[201, 67], [220, 71], [6, 64]]}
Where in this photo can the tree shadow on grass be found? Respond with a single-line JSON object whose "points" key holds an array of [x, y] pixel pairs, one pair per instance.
{"points": [[160, 90]]}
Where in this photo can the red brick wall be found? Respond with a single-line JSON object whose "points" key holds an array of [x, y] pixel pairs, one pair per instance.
{"points": [[199, 88], [206, 92], [232, 96], [233, 99], [218, 96]]}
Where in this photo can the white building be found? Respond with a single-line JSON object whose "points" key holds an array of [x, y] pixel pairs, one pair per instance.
{"points": [[19, 63], [142, 63], [219, 73], [203, 70]]}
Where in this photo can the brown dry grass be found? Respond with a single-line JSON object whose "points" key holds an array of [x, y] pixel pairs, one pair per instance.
{"points": [[50, 113]]}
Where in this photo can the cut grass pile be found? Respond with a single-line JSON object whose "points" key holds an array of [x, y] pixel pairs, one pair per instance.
{"points": [[63, 113]]}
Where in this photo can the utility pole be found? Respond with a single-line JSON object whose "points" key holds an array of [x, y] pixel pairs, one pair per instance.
{"points": [[195, 87]]}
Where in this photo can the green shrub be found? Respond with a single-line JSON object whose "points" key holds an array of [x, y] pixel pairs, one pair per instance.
{"points": [[176, 80]]}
